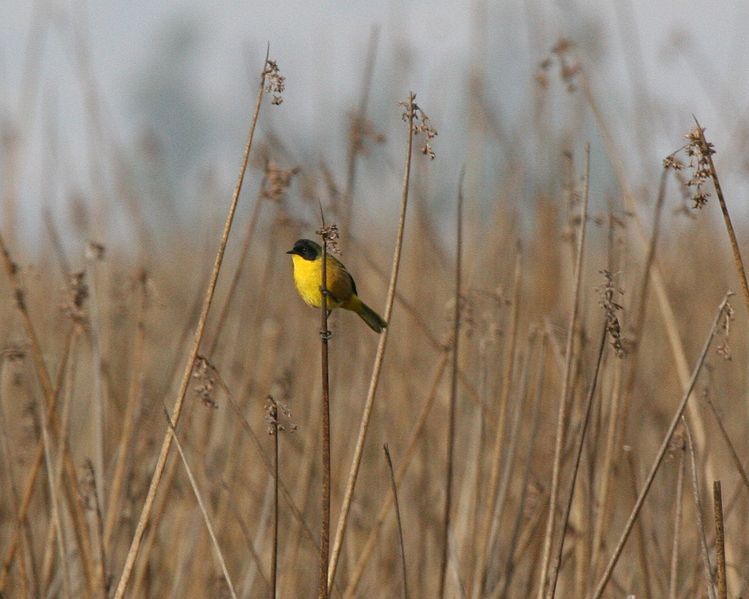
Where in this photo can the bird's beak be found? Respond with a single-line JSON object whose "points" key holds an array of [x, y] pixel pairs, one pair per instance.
{"points": [[291, 252]]}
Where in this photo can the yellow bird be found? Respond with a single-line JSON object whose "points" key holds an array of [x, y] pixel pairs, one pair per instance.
{"points": [[306, 255]]}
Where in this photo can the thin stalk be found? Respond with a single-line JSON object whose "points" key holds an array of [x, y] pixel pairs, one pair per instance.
{"points": [[731, 446], [387, 503], [739, 263], [535, 423], [197, 338], [709, 580], [325, 420], [128, 426], [453, 392], [659, 286], [53, 480], [379, 356], [484, 533], [677, 525], [274, 550], [641, 549], [660, 455], [720, 545], [394, 487], [201, 505], [566, 382], [576, 467]]}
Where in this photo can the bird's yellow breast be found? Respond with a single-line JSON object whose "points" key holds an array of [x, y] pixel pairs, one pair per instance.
{"points": [[308, 277]]}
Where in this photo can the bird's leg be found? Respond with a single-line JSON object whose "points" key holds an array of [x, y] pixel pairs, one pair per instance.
{"points": [[327, 333]]}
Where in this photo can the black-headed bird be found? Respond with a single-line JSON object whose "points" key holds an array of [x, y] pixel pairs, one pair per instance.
{"points": [[306, 256]]}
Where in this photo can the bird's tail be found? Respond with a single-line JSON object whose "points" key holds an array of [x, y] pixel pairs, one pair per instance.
{"points": [[373, 320]]}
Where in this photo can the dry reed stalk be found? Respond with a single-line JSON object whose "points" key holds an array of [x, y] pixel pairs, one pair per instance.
{"points": [[509, 569], [5, 444], [325, 335], [257, 560], [376, 369], [720, 546], [484, 533], [295, 511], [600, 587], [64, 385], [707, 152], [567, 381], [620, 409], [273, 417], [674, 568], [98, 399], [709, 579], [578, 456], [514, 434], [468, 388], [101, 556], [198, 336], [201, 505], [387, 502], [38, 459], [291, 557], [729, 443], [53, 480], [453, 392], [659, 285], [394, 487], [128, 419], [642, 552]]}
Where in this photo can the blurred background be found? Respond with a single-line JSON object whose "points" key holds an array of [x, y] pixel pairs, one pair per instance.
{"points": [[121, 132], [177, 78]]}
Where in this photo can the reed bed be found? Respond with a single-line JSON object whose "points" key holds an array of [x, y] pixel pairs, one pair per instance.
{"points": [[561, 389]]}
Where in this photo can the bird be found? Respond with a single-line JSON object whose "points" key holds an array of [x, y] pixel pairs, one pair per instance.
{"points": [[306, 257]]}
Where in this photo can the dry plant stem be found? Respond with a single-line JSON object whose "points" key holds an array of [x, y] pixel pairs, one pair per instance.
{"points": [[101, 566], [387, 502], [709, 580], [453, 393], [578, 456], [494, 477], [206, 519], [514, 429], [267, 463], [11, 484], [55, 501], [566, 382], [198, 336], [325, 423], [659, 286], [50, 397], [677, 527], [394, 487], [374, 380], [128, 425], [726, 219], [274, 547], [731, 446], [601, 586], [720, 546], [641, 526], [536, 422], [98, 397]]}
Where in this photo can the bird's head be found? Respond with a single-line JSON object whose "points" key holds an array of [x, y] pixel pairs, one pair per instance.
{"points": [[306, 248]]}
